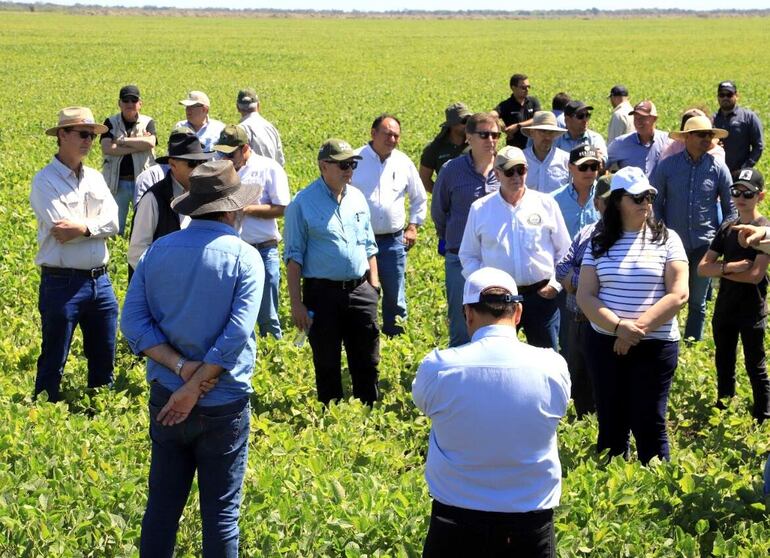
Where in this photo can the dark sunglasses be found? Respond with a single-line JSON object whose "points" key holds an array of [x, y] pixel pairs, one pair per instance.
{"points": [[229, 155], [345, 165], [583, 116], [487, 135], [130, 100], [83, 134], [521, 170], [703, 134], [593, 167], [726, 94], [649, 197], [737, 193]]}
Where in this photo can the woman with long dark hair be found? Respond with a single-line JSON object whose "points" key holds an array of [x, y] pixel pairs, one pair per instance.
{"points": [[633, 281]]}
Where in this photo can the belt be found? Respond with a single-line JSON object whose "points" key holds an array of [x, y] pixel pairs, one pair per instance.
{"points": [[266, 244], [389, 235], [453, 250], [69, 272], [533, 288], [347, 285], [486, 517]]}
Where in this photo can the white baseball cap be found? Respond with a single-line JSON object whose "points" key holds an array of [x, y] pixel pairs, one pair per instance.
{"points": [[632, 180], [196, 98], [486, 278]]}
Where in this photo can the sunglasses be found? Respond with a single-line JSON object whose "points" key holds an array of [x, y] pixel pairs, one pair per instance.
{"points": [[229, 155], [648, 197], [583, 116], [726, 94], [345, 165], [737, 193], [703, 135], [487, 135], [593, 167], [129, 100], [83, 134], [521, 170]]}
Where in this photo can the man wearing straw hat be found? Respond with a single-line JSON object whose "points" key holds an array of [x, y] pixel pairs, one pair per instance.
{"points": [[191, 309], [689, 186], [547, 169], [75, 213]]}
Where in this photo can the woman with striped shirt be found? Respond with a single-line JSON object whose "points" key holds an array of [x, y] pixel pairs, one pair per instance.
{"points": [[633, 281]]}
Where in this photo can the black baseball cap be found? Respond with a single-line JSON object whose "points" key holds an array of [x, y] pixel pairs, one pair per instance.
{"points": [[618, 91], [750, 178], [573, 107], [129, 91], [583, 153], [727, 86]]}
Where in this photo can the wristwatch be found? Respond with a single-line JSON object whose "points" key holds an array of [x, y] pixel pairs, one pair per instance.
{"points": [[179, 365]]}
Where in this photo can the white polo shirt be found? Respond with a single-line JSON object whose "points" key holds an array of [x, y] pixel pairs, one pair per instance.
{"points": [[269, 174], [386, 185], [526, 240], [494, 404], [208, 134]]}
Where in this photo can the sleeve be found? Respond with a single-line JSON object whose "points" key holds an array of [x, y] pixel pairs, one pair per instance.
{"points": [[279, 193], [757, 141], [718, 242], [371, 243], [428, 157], [674, 248], [151, 127], [470, 247], [588, 256], [439, 206], [143, 228], [601, 144], [247, 298], [295, 234], [279, 148], [560, 239], [425, 384], [660, 182], [561, 386], [725, 199], [568, 262], [418, 197], [136, 322], [105, 222], [108, 133], [536, 104], [613, 152]]}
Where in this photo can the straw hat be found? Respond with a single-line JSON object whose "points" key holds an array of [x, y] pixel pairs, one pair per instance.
{"points": [[77, 116], [543, 120], [698, 124]]}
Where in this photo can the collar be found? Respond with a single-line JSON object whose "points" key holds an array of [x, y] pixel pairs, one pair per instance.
{"points": [[206, 225], [495, 330], [64, 171], [329, 191]]}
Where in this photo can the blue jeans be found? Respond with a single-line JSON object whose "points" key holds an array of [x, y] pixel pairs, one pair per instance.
{"points": [[455, 283], [213, 441], [540, 321], [391, 266], [699, 287], [268, 311], [124, 197], [64, 302]]}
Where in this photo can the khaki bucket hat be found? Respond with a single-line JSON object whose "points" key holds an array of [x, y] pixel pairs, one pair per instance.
{"points": [[214, 187]]}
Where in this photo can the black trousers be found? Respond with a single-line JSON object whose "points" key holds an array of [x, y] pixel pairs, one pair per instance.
{"points": [[582, 384], [727, 327], [343, 315], [462, 533]]}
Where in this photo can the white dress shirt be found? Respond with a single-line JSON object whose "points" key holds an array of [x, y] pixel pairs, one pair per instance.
{"points": [[551, 173], [58, 193], [264, 138], [147, 178], [208, 134], [526, 240], [268, 174], [145, 222], [385, 184]]}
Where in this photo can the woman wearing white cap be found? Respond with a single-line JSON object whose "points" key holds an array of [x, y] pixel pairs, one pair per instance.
{"points": [[633, 281]]}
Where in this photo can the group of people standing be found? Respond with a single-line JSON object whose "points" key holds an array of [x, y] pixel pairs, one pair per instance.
{"points": [[534, 236]]}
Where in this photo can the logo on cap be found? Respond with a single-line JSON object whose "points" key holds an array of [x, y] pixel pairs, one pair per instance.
{"points": [[745, 174]]}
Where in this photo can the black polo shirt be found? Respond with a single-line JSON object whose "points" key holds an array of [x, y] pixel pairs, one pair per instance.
{"points": [[513, 112]]}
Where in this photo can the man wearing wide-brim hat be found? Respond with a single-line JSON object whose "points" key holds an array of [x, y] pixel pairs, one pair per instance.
{"points": [[75, 213], [329, 244], [191, 308], [547, 165], [689, 186], [154, 217]]}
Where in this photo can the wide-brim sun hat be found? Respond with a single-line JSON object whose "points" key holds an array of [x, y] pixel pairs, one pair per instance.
{"points": [[698, 124], [215, 187], [70, 117], [543, 120]]}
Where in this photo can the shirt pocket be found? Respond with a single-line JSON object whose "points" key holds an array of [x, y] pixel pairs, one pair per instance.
{"points": [[356, 226], [94, 203]]}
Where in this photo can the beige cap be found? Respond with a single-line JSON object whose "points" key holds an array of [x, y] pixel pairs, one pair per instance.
{"points": [[196, 98], [508, 157]]}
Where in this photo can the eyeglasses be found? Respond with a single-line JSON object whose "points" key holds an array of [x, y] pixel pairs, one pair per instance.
{"points": [[648, 197], [129, 100], [345, 165], [703, 134], [521, 170], [593, 167], [83, 134], [583, 116], [737, 193], [725, 94], [229, 155], [487, 135]]}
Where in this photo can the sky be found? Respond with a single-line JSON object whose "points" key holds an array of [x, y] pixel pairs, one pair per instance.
{"points": [[454, 5]]}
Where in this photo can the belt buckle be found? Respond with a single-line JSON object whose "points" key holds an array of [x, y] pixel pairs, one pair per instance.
{"points": [[347, 284], [96, 272]]}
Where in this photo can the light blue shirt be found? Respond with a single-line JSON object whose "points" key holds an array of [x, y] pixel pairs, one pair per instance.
{"points": [[589, 137], [329, 240], [575, 216], [688, 192], [628, 151], [495, 404], [199, 290]]}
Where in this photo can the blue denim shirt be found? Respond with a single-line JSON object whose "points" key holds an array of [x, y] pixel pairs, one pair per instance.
{"points": [[744, 145], [329, 240], [458, 185], [628, 151], [199, 290], [688, 192], [575, 216]]}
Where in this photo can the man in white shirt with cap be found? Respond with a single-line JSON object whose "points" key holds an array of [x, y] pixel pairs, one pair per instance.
{"points": [[493, 467], [547, 165], [196, 108], [522, 232]]}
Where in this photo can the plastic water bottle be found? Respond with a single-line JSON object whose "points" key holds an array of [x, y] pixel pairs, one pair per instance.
{"points": [[299, 341]]}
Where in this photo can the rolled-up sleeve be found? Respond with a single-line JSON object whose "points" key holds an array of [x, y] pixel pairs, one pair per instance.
{"points": [[295, 234]]}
